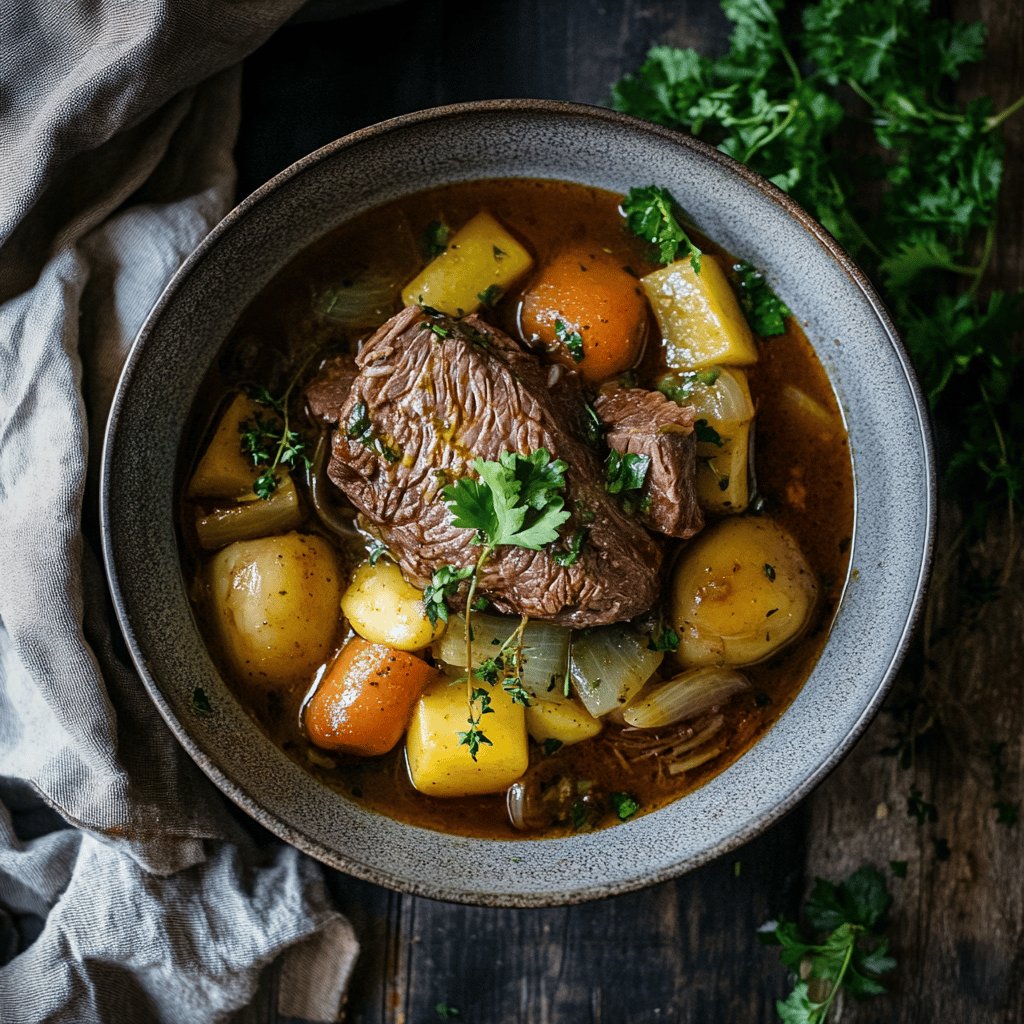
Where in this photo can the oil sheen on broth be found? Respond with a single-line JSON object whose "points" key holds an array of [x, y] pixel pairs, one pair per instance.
{"points": [[800, 484]]}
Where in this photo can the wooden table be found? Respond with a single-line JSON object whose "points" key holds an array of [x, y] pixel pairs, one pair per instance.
{"points": [[687, 950]]}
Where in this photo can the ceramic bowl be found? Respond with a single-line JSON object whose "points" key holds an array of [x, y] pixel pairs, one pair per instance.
{"points": [[844, 320]]}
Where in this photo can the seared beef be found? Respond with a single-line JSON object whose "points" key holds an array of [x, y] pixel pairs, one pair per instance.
{"points": [[432, 395], [648, 423], [327, 394]]}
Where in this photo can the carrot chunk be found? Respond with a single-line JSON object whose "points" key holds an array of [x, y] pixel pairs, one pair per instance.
{"points": [[589, 312], [364, 701]]}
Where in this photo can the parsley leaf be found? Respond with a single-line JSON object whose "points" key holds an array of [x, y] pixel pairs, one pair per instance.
{"points": [[443, 585], [707, 433], [624, 473], [572, 340], [764, 310], [651, 213], [845, 952], [435, 238], [359, 428], [516, 501], [625, 805]]}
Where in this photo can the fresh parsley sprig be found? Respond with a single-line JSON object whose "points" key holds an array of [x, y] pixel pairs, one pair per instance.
{"points": [[652, 214], [516, 501], [878, 71], [845, 951]]}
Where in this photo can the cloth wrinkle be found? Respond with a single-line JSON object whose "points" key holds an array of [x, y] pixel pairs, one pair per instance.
{"points": [[129, 891]]}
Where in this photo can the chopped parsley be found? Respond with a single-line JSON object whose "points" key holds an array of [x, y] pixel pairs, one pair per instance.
{"points": [[653, 214], [625, 805], [572, 340], [435, 239], [765, 311], [359, 428], [707, 433], [490, 295], [572, 554], [681, 386], [200, 702], [551, 746], [769, 571]]}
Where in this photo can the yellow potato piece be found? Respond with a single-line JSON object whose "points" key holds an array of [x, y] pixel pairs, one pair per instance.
{"points": [[223, 471], [384, 609], [701, 322], [741, 592], [564, 720], [481, 255], [440, 766], [275, 606]]}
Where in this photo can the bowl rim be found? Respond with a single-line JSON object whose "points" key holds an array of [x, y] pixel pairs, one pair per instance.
{"points": [[267, 817]]}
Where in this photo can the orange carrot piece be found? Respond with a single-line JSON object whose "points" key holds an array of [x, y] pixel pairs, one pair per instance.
{"points": [[584, 303], [364, 702]]}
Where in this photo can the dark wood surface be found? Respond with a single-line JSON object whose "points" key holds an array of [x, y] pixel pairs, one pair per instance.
{"points": [[687, 951]]}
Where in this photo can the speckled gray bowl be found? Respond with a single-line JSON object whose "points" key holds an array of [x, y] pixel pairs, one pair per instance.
{"points": [[848, 327]]}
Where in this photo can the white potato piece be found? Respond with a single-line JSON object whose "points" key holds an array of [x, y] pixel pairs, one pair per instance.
{"points": [[384, 609], [274, 603], [741, 592]]}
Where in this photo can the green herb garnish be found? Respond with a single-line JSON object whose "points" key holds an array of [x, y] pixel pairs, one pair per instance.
{"points": [[490, 295], [572, 340], [551, 746], [435, 238], [443, 585], [769, 571], [707, 433], [654, 215], [787, 106], [572, 554], [681, 386], [625, 805], [843, 951], [270, 443], [377, 551], [359, 428], [663, 639], [516, 501], [766, 312], [623, 473]]}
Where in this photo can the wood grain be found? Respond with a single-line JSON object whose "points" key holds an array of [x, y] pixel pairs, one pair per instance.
{"points": [[686, 951]]}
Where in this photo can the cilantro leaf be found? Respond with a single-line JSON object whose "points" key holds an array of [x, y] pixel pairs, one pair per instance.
{"points": [[651, 213]]}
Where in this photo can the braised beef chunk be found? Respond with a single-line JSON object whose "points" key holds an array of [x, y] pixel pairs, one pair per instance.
{"points": [[647, 423], [435, 393], [327, 394]]}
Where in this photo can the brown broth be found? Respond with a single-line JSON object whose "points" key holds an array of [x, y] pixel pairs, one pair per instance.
{"points": [[803, 473]]}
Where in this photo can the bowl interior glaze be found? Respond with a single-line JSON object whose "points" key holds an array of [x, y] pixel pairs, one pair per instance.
{"points": [[843, 319]]}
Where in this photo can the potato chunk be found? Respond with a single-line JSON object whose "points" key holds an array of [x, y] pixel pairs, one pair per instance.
{"points": [[275, 604], [223, 471], [384, 609], [701, 322], [440, 766], [482, 258], [564, 720], [741, 592]]}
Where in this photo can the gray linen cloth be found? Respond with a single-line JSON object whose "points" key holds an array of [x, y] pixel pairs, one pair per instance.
{"points": [[127, 892]]}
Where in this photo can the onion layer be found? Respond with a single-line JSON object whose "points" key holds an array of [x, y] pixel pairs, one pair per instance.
{"points": [[687, 696], [609, 666]]}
